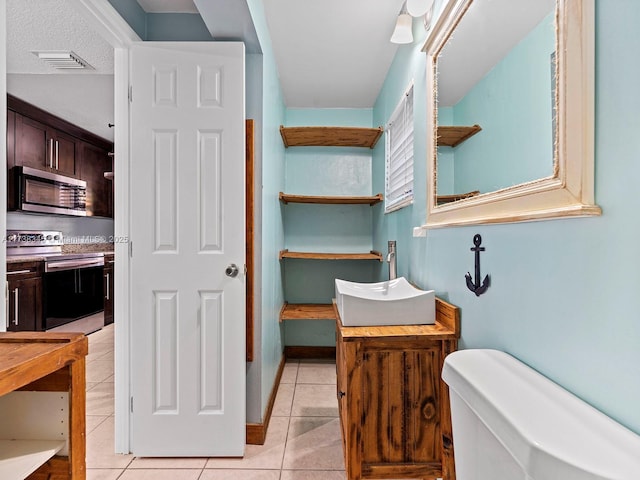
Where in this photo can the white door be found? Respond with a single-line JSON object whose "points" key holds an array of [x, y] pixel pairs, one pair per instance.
{"points": [[187, 228]]}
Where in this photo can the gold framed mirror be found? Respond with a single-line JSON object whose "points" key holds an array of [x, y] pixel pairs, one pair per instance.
{"points": [[549, 172]]}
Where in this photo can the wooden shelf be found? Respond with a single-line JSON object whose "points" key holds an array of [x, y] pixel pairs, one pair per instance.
{"points": [[20, 458], [452, 136], [330, 200], [331, 256], [440, 199], [307, 311], [330, 136]]}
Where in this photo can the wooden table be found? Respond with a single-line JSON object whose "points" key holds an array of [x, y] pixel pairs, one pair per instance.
{"points": [[30, 363]]}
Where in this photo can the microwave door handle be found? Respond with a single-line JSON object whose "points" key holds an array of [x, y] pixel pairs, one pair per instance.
{"points": [[57, 154]]}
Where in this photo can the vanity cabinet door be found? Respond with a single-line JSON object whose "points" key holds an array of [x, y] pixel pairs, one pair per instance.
{"points": [[400, 403], [392, 404]]}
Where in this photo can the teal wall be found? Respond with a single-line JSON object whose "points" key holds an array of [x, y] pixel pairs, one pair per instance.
{"points": [[269, 350], [564, 293], [513, 105], [325, 228]]}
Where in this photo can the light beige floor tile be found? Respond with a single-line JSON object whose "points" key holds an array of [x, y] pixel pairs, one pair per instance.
{"points": [[317, 372], [105, 357], [103, 473], [168, 463], [92, 421], [260, 457], [315, 401], [100, 448], [99, 370], [103, 335], [284, 399], [101, 399], [159, 474], [312, 475], [290, 372], [98, 349], [90, 385], [314, 444], [243, 475]]}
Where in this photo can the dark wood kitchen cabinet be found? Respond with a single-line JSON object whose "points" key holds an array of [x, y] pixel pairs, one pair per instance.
{"points": [[108, 288], [95, 162], [41, 140], [24, 302], [40, 146]]}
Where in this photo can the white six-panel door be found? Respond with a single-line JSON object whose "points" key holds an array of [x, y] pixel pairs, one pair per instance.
{"points": [[187, 228]]}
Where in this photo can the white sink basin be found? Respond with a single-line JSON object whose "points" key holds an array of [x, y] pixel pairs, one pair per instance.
{"points": [[395, 302]]}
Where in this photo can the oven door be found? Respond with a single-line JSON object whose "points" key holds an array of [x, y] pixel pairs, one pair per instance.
{"points": [[72, 294]]}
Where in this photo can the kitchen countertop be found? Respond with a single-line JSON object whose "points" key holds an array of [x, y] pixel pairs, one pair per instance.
{"points": [[104, 248]]}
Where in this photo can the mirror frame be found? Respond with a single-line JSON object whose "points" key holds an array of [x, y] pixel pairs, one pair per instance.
{"points": [[569, 191]]}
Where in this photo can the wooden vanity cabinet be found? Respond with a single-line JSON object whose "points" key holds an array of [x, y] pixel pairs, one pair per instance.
{"points": [[24, 301], [394, 407]]}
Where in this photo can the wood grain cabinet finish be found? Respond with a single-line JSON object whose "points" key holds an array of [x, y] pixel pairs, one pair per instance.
{"points": [[40, 146], [24, 302], [43, 362], [38, 139], [394, 408], [95, 162], [108, 288]]}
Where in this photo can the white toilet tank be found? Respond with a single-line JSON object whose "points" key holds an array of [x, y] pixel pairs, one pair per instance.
{"points": [[511, 423]]}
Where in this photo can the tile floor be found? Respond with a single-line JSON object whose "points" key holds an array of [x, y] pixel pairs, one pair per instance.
{"points": [[303, 440]]}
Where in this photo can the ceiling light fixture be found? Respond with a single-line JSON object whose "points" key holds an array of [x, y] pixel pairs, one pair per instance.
{"points": [[402, 33], [418, 8], [62, 59]]}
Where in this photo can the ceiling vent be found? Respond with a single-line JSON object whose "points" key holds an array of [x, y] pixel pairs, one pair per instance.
{"points": [[63, 60]]}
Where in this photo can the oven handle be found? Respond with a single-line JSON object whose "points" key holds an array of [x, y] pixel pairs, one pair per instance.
{"points": [[73, 264]]}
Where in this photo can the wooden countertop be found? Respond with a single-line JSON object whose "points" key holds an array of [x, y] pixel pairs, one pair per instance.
{"points": [[28, 356], [447, 326]]}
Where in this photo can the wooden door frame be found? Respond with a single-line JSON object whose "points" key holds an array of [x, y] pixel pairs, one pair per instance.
{"points": [[249, 233]]}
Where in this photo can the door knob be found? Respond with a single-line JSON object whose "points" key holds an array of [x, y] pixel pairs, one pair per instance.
{"points": [[231, 271]]}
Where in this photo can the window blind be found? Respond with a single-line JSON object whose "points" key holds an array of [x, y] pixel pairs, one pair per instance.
{"points": [[399, 155]]}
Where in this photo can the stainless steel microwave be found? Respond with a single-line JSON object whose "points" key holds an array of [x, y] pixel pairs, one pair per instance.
{"points": [[45, 192]]}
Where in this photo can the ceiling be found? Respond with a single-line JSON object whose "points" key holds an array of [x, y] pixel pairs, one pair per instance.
{"points": [[332, 53], [329, 53], [52, 25]]}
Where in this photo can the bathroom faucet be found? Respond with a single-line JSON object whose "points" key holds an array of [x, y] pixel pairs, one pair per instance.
{"points": [[391, 259]]}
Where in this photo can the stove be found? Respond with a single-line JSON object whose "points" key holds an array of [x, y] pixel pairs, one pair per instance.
{"points": [[73, 284], [48, 244]]}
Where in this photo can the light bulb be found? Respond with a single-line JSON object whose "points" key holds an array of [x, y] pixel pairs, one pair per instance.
{"points": [[402, 33]]}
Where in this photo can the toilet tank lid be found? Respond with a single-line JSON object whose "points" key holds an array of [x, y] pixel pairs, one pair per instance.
{"points": [[545, 428]]}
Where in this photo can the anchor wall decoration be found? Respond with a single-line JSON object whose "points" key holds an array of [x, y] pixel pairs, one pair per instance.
{"points": [[474, 285]]}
